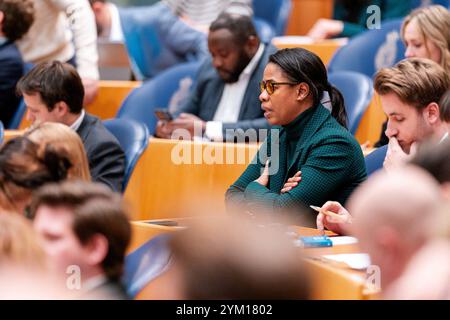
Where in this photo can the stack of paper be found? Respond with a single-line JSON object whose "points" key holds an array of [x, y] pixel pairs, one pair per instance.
{"points": [[357, 261]]}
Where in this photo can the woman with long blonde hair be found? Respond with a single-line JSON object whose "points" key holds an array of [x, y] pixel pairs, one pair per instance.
{"points": [[63, 139], [426, 34]]}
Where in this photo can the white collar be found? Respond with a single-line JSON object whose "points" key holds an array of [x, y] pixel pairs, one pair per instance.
{"points": [[252, 64], [444, 137], [116, 32], [74, 126]]}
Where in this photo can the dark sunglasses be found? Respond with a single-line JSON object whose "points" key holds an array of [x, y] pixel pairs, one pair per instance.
{"points": [[269, 85]]}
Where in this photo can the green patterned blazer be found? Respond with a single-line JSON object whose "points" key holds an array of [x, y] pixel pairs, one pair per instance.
{"points": [[329, 157]]}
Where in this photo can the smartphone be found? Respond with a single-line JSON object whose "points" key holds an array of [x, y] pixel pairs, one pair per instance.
{"points": [[163, 114]]}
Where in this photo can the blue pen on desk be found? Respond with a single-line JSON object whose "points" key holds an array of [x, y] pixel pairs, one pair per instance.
{"points": [[316, 242]]}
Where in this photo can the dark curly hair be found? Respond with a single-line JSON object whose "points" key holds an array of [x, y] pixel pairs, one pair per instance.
{"points": [[18, 17]]}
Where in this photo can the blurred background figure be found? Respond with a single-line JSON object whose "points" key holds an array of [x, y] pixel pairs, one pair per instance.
{"points": [[155, 37], [435, 159], [16, 17], [24, 272], [19, 244], [24, 167], [350, 17], [65, 141], [201, 13], [64, 30], [395, 215], [427, 276], [84, 227], [235, 258]]}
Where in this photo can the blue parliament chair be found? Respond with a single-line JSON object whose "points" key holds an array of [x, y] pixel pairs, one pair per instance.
{"points": [[18, 115], [15, 121], [166, 90], [264, 29], [2, 132], [276, 12], [371, 50], [133, 138], [357, 90], [146, 263], [374, 160]]}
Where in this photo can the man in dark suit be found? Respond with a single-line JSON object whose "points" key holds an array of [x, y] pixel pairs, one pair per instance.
{"points": [[85, 233], [224, 104], [53, 91], [11, 63]]}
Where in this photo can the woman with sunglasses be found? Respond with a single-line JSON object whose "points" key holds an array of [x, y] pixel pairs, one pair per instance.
{"points": [[313, 157]]}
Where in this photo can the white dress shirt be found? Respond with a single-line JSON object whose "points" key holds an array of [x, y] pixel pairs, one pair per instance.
{"points": [[116, 32], [231, 101], [74, 126]]}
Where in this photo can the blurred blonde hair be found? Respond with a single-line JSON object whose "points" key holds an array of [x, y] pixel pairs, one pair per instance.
{"points": [[434, 24], [63, 139], [19, 244]]}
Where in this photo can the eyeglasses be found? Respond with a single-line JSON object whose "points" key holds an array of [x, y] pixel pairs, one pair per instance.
{"points": [[269, 85]]}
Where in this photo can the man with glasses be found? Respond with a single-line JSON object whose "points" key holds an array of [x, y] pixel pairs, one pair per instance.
{"points": [[224, 103]]}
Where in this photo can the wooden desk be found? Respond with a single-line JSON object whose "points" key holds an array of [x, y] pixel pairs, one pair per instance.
{"points": [[142, 231], [330, 281], [324, 49], [110, 97], [9, 134], [160, 187]]}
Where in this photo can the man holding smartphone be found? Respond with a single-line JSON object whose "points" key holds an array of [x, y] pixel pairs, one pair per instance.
{"points": [[224, 103]]}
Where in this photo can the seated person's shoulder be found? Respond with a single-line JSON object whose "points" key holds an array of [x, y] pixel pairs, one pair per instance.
{"points": [[334, 134], [99, 136]]}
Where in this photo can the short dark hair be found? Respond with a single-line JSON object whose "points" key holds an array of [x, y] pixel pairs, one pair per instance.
{"points": [[444, 107], [241, 26], [96, 210], [55, 82], [18, 18]]}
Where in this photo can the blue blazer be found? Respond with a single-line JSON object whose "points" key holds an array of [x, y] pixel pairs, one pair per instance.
{"points": [[208, 91], [157, 39], [11, 69]]}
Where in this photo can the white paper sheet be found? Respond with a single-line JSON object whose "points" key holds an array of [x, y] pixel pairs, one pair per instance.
{"points": [[343, 240], [357, 261]]}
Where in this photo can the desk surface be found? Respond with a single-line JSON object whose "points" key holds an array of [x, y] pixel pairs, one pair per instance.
{"points": [[331, 280], [9, 134]]}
